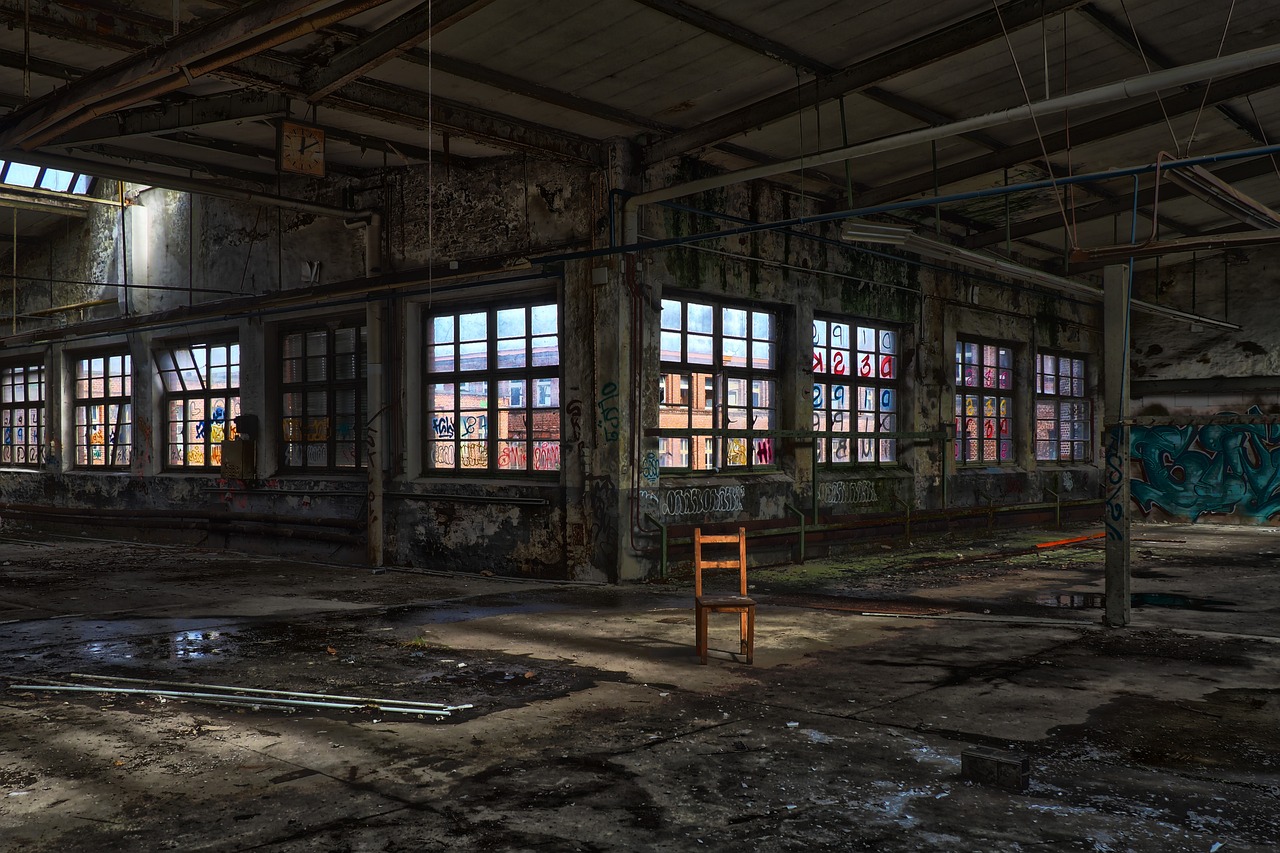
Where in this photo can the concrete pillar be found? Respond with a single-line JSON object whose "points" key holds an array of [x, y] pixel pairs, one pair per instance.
{"points": [[1118, 511], [375, 428]]}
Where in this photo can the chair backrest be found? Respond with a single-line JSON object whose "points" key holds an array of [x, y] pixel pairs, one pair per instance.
{"points": [[699, 539]]}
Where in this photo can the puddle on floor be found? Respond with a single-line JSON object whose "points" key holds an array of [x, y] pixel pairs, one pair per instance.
{"points": [[1097, 600]]}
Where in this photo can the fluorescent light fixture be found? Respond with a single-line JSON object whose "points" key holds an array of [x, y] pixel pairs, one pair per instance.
{"points": [[1209, 188], [871, 232]]}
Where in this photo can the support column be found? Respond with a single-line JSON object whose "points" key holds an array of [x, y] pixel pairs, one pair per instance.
{"points": [[1118, 511], [375, 440]]}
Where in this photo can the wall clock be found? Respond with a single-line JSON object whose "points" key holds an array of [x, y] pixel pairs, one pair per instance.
{"points": [[300, 149]]}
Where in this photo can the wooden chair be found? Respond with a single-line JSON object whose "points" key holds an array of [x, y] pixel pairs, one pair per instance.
{"points": [[740, 603]]}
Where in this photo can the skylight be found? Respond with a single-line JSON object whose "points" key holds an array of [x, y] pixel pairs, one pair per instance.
{"points": [[17, 174]]}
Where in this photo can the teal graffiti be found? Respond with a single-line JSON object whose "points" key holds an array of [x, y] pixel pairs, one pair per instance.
{"points": [[1192, 471]]}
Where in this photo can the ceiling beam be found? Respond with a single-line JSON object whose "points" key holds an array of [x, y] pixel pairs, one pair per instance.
{"points": [[245, 105], [170, 66], [240, 149], [1132, 118], [388, 42], [947, 41], [260, 72], [1152, 55], [1232, 172], [13, 198], [417, 109], [185, 165], [730, 31]]}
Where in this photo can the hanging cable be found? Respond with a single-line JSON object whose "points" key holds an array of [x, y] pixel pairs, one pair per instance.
{"points": [[1057, 191], [1221, 44], [1147, 65], [1262, 130], [1074, 235], [431, 184]]}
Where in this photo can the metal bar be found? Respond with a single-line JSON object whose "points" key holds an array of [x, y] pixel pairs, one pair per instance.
{"points": [[662, 561], [229, 699], [800, 513], [263, 691]]}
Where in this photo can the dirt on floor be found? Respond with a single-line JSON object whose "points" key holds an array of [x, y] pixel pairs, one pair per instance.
{"points": [[491, 715]]}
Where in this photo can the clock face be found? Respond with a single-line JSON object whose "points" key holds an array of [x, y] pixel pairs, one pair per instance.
{"points": [[301, 149]]}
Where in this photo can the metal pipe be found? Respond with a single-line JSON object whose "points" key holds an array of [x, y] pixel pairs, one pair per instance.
{"points": [[232, 700], [800, 513], [1143, 84], [263, 691]]}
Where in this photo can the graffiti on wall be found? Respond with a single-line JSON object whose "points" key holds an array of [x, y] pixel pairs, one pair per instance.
{"points": [[1192, 471], [848, 492], [1113, 516], [649, 467], [721, 499], [610, 418]]}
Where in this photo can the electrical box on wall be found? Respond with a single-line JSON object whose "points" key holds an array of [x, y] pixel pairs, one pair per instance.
{"points": [[240, 459]]}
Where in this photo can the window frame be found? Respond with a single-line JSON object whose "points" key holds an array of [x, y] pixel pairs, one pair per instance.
{"points": [[861, 362], [721, 380], [214, 432], [508, 398], [82, 405], [1005, 397], [330, 386], [32, 448], [1081, 448]]}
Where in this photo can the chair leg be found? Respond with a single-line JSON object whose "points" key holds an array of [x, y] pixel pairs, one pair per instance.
{"points": [[742, 632], [751, 634], [701, 633]]}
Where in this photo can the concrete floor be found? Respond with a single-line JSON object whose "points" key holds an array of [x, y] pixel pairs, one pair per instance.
{"points": [[594, 728]]}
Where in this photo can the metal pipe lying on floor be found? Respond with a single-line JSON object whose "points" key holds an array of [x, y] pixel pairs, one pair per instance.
{"points": [[232, 699], [404, 703]]}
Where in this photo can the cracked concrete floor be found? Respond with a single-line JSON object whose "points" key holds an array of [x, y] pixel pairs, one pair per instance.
{"points": [[594, 728]]}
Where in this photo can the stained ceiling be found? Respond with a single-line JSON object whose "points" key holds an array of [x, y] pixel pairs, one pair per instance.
{"points": [[193, 90]]}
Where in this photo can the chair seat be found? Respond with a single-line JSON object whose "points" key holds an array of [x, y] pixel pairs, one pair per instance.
{"points": [[725, 601]]}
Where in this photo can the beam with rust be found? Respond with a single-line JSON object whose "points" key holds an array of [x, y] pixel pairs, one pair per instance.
{"points": [[246, 105], [66, 206], [170, 66], [947, 41], [413, 108], [385, 43]]}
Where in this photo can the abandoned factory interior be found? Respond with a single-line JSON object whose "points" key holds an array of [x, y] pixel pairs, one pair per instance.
{"points": [[485, 286], [378, 378]]}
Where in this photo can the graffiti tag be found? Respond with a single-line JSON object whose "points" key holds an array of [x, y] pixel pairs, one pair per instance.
{"points": [[724, 499], [848, 492], [610, 418]]}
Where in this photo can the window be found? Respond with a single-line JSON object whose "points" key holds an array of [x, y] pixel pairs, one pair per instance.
{"points": [[718, 373], [493, 398], [984, 402], [323, 397], [1064, 417], [24, 175], [202, 401], [104, 410], [855, 364], [22, 414]]}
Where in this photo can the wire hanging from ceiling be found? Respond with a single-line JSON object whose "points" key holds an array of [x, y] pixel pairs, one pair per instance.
{"points": [[1226, 27], [431, 183], [1035, 123], [1146, 63]]}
